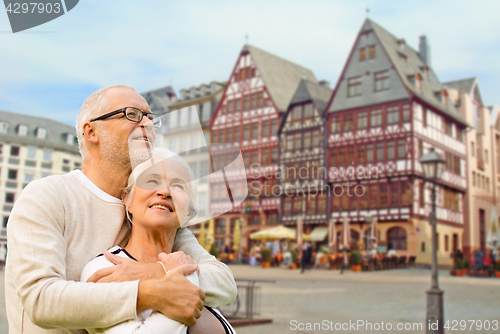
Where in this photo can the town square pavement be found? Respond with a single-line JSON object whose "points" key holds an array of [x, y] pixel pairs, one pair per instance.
{"points": [[326, 297]]}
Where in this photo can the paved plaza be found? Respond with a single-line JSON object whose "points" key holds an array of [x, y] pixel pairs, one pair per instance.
{"points": [[392, 296]]}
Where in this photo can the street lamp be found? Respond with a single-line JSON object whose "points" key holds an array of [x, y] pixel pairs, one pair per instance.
{"points": [[433, 166]]}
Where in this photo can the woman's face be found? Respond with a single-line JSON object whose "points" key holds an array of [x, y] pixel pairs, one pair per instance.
{"points": [[161, 196]]}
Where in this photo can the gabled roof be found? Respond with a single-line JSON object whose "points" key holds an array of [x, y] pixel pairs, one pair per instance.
{"points": [[55, 134], [307, 91], [466, 86], [412, 66], [280, 76], [160, 97], [494, 113]]}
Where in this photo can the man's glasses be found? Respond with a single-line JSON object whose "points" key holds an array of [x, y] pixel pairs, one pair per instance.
{"points": [[132, 114]]}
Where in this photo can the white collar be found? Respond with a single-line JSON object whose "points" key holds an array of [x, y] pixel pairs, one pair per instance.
{"points": [[93, 188]]}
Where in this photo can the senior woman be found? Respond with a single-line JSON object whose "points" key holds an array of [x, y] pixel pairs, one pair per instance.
{"points": [[159, 200]]}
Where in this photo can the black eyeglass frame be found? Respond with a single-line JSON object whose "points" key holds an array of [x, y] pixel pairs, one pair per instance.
{"points": [[124, 111]]}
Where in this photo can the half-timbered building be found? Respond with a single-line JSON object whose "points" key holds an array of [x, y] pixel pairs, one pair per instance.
{"points": [[259, 90], [302, 157], [388, 109]]}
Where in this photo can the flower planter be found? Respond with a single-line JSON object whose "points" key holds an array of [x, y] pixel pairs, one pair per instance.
{"points": [[459, 272], [293, 266], [266, 264], [356, 267], [466, 272], [497, 274]]}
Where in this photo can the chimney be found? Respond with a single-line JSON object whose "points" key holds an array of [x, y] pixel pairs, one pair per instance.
{"points": [[325, 83], [424, 50]]}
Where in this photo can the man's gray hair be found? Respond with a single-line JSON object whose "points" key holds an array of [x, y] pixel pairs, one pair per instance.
{"points": [[94, 106]]}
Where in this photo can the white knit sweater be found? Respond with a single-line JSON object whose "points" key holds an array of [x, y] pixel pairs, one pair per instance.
{"points": [[58, 225]]}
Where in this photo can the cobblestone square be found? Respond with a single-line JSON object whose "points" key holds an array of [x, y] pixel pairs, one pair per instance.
{"points": [[392, 296]]}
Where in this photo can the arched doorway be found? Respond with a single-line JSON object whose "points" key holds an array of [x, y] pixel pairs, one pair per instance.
{"points": [[396, 238]]}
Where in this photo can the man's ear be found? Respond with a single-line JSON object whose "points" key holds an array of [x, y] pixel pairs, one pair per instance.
{"points": [[90, 133]]}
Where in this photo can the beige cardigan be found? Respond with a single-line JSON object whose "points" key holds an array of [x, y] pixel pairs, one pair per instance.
{"points": [[58, 225]]}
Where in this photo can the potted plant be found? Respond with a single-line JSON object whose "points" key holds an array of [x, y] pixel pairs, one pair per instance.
{"points": [[295, 259], [214, 251], [459, 267], [497, 269], [356, 259], [466, 266], [267, 256]]}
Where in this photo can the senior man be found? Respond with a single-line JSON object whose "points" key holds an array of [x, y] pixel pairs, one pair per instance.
{"points": [[59, 223]]}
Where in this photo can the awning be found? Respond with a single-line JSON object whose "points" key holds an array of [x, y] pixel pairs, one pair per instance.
{"points": [[276, 233], [319, 233]]}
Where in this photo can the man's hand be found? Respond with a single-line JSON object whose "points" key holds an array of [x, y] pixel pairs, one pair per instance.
{"points": [[126, 270], [173, 295], [176, 259]]}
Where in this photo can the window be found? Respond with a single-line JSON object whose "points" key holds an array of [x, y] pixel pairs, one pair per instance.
{"points": [[12, 174], [362, 54], [472, 149], [289, 143], [220, 226], [361, 154], [459, 135], [369, 153], [381, 80], [297, 141], [420, 148], [287, 206], [354, 86], [9, 197], [31, 152], [253, 102], [392, 115], [406, 194], [401, 149], [205, 116], [335, 124], [308, 111], [274, 155], [255, 157], [362, 120], [28, 177], [4, 126], [70, 139], [375, 118], [391, 150], [182, 144], [297, 114], [446, 243], [260, 100], [203, 171], [41, 133], [394, 194], [447, 127], [184, 117], [380, 151], [424, 120], [274, 127], [406, 113], [372, 51], [246, 132], [229, 135], [246, 103], [265, 129], [22, 130], [172, 119], [255, 130], [350, 155], [237, 134], [237, 105], [374, 196], [230, 107], [315, 138], [307, 140], [172, 143], [348, 122], [14, 151], [265, 157]]}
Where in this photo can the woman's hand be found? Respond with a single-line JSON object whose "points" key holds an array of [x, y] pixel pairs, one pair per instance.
{"points": [[126, 270], [176, 259]]}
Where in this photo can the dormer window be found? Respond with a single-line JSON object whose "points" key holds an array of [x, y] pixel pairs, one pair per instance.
{"points": [[70, 139], [402, 44], [22, 130], [212, 88], [4, 126], [193, 93], [403, 57], [183, 94], [203, 90], [416, 81], [41, 133]]}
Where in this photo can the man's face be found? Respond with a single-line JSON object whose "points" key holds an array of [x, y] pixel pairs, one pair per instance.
{"points": [[122, 140]]}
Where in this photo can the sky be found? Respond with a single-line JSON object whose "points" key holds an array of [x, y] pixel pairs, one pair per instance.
{"points": [[49, 70]]}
